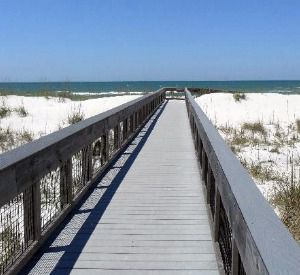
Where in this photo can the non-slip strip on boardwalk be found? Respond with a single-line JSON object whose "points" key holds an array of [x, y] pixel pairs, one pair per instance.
{"points": [[146, 216]]}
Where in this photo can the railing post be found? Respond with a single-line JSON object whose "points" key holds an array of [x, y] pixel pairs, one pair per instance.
{"points": [[86, 163], [125, 129], [104, 148], [140, 117], [217, 215], [131, 124], [135, 120], [89, 163], [32, 213], [143, 113], [117, 137], [37, 228], [197, 142], [204, 165], [209, 183], [200, 152], [66, 194], [234, 258]]}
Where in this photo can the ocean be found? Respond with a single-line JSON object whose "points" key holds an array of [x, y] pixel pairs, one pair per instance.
{"points": [[287, 86]]}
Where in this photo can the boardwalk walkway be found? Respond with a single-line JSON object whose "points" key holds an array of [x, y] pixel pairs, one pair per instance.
{"points": [[147, 215]]}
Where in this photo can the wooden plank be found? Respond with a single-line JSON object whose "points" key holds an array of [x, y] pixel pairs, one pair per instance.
{"points": [[140, 265], [144, 237], [141, 257], [135, 272]]}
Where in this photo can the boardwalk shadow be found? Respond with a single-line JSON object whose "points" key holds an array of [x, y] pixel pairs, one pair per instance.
{"points": [[57, 257]]}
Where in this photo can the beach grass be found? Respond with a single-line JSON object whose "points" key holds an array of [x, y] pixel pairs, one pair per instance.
{"points": [[264, 133], [10, 139], [4, 111], [298, 125], [21, 111], [286, 199], [255, 127], [239, 97], [76, 115], [63, 95]]}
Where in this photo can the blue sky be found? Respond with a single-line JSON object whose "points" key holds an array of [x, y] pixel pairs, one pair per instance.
{"points": [[115, 40]]}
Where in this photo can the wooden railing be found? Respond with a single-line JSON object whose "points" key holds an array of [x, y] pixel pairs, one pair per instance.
{"points": [[41, 182], [251, 238]]}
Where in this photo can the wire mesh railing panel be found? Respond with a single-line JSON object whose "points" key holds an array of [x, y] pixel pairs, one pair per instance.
{"points": [[111, 147], [50, 197], [121, 132], [12, 241], [225, 239], [96, 156], [79, 170]]}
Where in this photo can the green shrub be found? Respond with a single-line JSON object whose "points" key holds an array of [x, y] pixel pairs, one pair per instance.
{"points": [[24, 136], [4, 111], [263, 173], [239, 140], [298, 125], [239, 97], [10, 139], [275, 150], [287, 199], [21, 111], [255, 127], [75, 116]]}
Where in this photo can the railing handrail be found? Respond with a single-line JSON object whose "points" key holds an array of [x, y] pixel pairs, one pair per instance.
{"points": [[27, 163], [263, 242], [42, 181]]}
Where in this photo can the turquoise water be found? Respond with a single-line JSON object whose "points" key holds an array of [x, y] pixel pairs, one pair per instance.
{"points": [[147, 86]]}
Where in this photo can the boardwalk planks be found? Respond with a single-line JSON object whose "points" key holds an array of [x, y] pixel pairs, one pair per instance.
{"points": [[156, 222]]}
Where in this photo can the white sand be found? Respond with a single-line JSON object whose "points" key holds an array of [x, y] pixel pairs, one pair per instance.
{"points": [[269, 109], [221, 108], [48, 115]]}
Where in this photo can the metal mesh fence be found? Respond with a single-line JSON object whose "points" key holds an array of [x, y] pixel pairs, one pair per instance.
{"points": [[111, 147], [121, 132], [96, 156], [12, 241], [79, 170], [50, 197], [224, 239]]}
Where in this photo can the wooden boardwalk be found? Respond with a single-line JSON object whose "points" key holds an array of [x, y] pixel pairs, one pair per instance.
{"points": [[146, 216]]}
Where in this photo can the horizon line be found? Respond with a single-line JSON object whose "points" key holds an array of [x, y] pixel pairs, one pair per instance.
{"points": [[118, 81]]}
